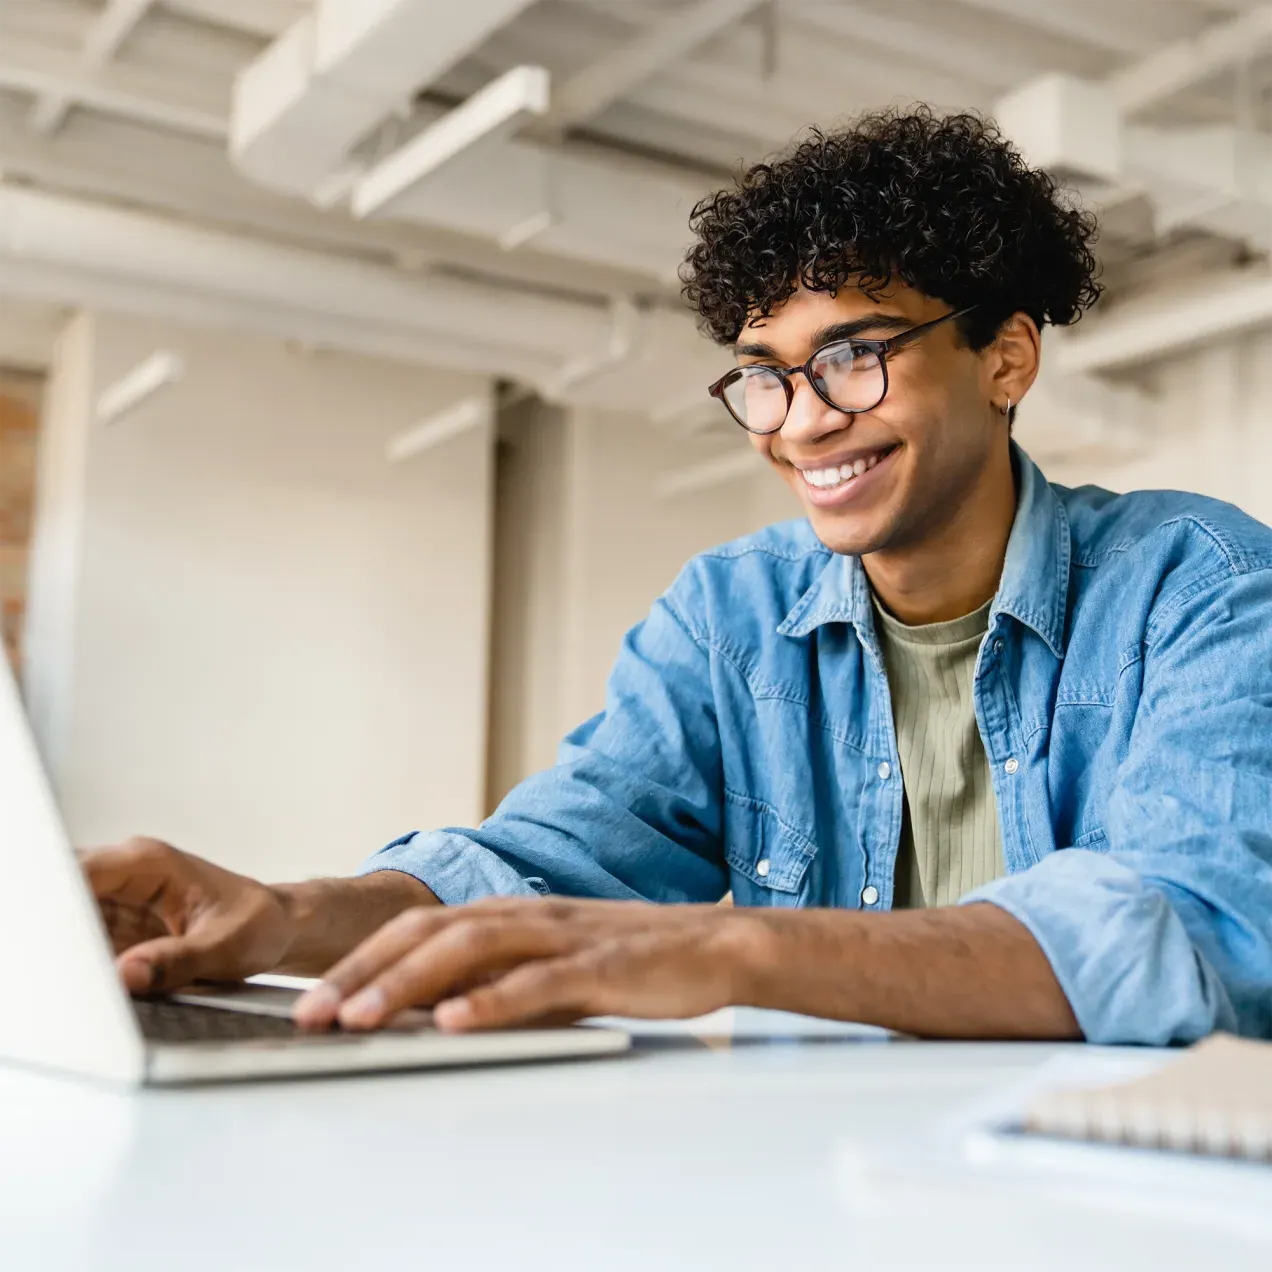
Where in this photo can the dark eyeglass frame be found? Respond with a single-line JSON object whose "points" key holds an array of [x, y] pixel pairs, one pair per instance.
{"points": [[882, 349]]}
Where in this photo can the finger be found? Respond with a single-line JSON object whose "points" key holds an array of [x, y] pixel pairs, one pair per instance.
{"points": [[170, 962], [128, 925], [134, 871], [317, 1009], [453, 958], [560, 990]]}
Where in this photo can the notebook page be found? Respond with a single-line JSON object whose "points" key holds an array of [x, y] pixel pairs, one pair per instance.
{"points": [[1215, 1099]]}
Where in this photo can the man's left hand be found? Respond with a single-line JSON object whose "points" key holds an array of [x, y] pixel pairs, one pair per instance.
{"points": [[510, 962]]}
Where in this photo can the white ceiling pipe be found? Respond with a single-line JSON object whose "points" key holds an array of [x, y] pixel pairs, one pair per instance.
{"points": [[1167, 321], [143, 249], [76, 288], [338, 72], [487, 116]]}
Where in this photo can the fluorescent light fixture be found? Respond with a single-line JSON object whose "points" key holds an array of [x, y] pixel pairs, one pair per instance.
{"points": [[714, 472], [468, 414], [524, 231], [161, 369], [494, 112]]}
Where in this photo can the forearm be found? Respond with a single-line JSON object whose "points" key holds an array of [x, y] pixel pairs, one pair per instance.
{"points": [[956, 972], [329, 917]]}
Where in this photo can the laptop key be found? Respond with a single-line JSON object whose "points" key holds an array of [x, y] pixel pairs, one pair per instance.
{"points": [[162, 1020]]}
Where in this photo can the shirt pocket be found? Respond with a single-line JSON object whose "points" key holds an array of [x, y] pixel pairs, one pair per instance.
{"points": [[768, 858], [1093, 839]]}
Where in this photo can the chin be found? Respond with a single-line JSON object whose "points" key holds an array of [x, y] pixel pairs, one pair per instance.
{"points": [[845, 539]]}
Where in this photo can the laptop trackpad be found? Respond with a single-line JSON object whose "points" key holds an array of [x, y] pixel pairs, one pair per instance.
{"points": [[272, 1000]]}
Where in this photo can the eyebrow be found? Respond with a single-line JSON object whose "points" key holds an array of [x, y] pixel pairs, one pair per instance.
{"points": [[826, 335]]}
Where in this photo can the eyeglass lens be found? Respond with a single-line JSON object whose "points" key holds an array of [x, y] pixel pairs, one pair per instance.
{"points": [[850, 378]]}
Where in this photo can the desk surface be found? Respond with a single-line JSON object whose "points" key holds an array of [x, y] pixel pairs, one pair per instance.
{"points": [[739, 1148]]}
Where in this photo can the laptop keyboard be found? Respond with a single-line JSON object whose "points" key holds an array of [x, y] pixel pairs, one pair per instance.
{"points": [[165, 1021]]}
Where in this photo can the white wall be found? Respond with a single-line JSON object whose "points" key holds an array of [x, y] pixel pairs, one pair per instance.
{"points": [[1212, 432], [277, 642], [587, 546]]}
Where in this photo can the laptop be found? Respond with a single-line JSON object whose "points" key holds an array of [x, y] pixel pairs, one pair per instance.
{"points": [[63, 1007]]}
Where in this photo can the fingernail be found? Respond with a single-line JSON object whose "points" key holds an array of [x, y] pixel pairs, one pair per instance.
{"points": [[318, 1004], [137, 976], [365, 1008], [454, 1014]]}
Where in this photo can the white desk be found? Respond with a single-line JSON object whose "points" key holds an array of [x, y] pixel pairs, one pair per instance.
{"points": [[679, 1156]]}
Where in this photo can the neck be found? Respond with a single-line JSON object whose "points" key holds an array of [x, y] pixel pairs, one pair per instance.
{"points": [[954, 569]]}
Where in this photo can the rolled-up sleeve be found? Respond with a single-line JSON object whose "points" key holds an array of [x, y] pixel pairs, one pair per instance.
{"points": [[632, 809], [1166, 935]]}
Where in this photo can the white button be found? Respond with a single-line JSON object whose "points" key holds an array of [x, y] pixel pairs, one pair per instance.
{"points": [[1011, 766], [870, 895], [762, 868], [885, 771], [998, 647]]}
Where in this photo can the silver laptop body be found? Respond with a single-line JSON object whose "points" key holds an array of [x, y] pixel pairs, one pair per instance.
{"points": [[64, 1007]]}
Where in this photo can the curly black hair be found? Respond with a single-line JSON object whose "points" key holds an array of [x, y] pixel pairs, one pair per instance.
{"points": [[941, 203]]}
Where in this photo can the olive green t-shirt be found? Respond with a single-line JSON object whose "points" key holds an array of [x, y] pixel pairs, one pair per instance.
{"points": [[950, 843]]}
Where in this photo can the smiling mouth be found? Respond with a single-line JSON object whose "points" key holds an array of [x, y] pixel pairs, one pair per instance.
{"points": [[845, 475]]}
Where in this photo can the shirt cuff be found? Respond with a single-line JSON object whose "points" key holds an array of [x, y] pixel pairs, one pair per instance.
{"points": [[1121, 953], [455, 868]]}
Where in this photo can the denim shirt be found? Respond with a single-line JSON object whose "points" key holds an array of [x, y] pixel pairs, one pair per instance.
{"points": [[1124, 695]]}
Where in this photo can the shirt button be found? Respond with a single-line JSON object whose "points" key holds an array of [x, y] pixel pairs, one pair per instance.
{"points": [[1011, 766], [762, 868], [869, 895], [998, 647], [885, 771]]}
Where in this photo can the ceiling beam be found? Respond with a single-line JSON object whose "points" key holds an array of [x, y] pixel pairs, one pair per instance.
{"points": [[141, 95], [489, 115], [605, 81], [1169, 320], [1094, 24], [324, 85], [266, 18], [116, 161], [913, 40], [116, 22], [1189, 62]]}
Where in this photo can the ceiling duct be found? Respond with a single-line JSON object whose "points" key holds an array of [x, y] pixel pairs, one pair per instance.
{"points": [[328, 80]]}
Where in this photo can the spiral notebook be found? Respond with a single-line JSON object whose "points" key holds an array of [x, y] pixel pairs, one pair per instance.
{"points": [[1215, 1100]]}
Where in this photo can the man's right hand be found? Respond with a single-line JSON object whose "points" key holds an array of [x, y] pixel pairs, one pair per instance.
{"points": [[174, 918]]}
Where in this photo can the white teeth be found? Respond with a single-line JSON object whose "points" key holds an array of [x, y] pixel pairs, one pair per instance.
{"points": [[823, 478]]}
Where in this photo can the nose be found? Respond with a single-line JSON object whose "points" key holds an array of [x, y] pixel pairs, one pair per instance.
{"points": [[809, 418]]}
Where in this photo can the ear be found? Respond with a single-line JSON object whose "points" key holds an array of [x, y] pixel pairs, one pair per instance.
{"points": [[1011, 362]]}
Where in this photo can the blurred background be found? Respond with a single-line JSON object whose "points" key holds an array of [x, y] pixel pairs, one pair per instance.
{"points": [[348, 411]]}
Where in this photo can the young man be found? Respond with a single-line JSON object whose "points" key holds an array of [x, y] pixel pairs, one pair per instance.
{"points": [[977, 756]]}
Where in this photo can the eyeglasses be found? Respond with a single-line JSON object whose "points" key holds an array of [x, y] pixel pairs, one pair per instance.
{"points": [[850, 375]]}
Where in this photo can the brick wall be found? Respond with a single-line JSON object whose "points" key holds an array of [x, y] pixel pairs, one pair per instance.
{"points": [[19, 417]]}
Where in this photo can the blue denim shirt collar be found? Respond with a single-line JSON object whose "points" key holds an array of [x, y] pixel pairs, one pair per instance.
{"points": [[1034, 587]]}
